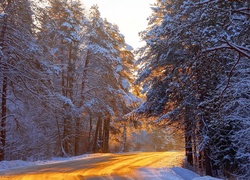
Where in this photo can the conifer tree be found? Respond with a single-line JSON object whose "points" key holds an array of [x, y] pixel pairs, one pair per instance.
{"points": [[189, 49], [107, 55], [61, 35], [23, 75]]}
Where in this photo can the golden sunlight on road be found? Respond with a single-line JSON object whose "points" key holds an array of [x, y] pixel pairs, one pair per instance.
{"points": [[98, 166]]}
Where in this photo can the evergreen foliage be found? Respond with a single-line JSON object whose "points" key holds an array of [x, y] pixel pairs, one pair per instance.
{"points": [[65, 78], [187, 66]]}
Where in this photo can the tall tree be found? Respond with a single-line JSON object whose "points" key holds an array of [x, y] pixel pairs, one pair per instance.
{"points": [[15, 27], [187, 53], [230, 125], [107, 55], [23, 75], [62, 28]]}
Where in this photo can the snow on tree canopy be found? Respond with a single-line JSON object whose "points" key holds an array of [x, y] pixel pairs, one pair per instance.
{"points": [[130, 99], [74, 36], [66, 101], [192, 48], [67, 25], [119, 68], [2, 16], [67, 40], [125, 83]]}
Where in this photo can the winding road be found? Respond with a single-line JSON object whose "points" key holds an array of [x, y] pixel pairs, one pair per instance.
{"points": [[98, 166]]}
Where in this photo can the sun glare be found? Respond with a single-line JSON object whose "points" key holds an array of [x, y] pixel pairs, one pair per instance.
{"points": [[130, 16]]}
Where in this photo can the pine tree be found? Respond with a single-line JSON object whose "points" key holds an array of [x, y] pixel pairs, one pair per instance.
{"points": [[230, 126], [188, 50], [61, 35], [23, 73], [107, 57], [11, 55]]}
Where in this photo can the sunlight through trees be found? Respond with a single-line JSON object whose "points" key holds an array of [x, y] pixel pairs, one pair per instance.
{"points": [[70, 84]]}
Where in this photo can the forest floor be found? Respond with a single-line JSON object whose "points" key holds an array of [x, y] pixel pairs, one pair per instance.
{"points": [[136, 165]]}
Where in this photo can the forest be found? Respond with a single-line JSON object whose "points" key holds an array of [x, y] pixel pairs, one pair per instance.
{"points": [[70, 84]]}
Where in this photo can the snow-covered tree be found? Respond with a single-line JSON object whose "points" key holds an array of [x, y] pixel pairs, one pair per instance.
{"points": [[188, 50], [230, 150], [107, 78], [23, 74], [61, 34], [64, 79]]}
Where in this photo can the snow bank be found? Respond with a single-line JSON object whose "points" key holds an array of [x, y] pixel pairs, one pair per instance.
{"points": [[6, 165], [206, 178], [175, 173]]}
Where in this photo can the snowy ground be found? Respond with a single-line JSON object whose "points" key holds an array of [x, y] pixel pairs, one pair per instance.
{"points": [[175, 173], [7, 165]]}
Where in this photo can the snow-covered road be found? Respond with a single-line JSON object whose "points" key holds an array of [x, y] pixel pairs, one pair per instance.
{"points": [[140, 165]]}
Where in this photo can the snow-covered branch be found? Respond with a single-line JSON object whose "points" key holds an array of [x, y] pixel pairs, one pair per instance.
{"points": [[230, 74], [223, 46], [241, 49], [242, 11], [205, 2]]}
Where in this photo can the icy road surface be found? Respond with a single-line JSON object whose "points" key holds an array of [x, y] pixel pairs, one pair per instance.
{"points": [[140, 165]]}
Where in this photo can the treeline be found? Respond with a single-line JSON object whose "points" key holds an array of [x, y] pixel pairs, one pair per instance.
{"points": [[65, 78], [195, 71]]}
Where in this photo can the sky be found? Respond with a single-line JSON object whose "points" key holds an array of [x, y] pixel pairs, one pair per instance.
{"points": [[130, 15]]}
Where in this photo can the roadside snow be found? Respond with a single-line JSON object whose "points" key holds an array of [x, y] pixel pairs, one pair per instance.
{"points": [[206, 178], [6, 165], [175, 173]]}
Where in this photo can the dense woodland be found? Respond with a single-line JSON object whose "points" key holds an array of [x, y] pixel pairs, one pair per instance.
{"points": [[195, 69], [69, 83]]}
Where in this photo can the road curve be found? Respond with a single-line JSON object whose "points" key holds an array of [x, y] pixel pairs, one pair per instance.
{"points": [[98, 166]]}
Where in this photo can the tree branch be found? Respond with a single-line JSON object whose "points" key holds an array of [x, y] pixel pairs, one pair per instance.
{"points": [[242, 11], [230, 75], [240, 49]]}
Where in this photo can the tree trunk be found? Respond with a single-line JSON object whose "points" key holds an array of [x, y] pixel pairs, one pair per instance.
{"points": [[70, 79], [64, 93], [3, 118], [67, 91], [195, 151], [208, 162], [124, 140], [201, 160], [188, 149], [100, 137], [4, 92], [62, 153], [188, 136], [67, 133], [64, 135], [95, 144], [77, 137], [106, 135], [90, 133]]}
